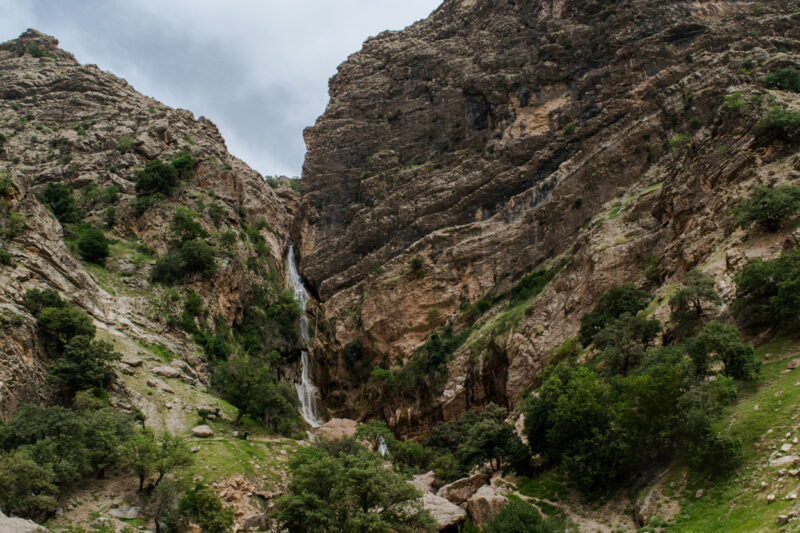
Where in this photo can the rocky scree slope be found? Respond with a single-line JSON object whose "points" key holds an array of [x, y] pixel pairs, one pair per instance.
{"points": [[66, 123], [496, 138]]}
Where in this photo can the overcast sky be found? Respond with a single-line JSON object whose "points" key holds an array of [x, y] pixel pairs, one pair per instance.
{"points": [[258, 68]]}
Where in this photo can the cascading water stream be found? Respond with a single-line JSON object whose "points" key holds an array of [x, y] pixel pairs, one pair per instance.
{"points": [[306, 391]]}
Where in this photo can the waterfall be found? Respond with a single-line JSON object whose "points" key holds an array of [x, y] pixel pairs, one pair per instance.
{"points": [[306, 391], [382, 447]]}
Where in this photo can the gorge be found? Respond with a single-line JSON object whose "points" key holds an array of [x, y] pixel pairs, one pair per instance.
{"points": [[548, 247]]}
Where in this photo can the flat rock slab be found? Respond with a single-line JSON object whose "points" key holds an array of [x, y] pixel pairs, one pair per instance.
{"points": [[336, 428], [12, 524], [166, 371], [131, 361], [445, 513], [785, 460], [127, 512], [202, 432], [462, 489]]}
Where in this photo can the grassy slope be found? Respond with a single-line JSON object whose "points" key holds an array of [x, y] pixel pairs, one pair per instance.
{"points": [[738, 503]]}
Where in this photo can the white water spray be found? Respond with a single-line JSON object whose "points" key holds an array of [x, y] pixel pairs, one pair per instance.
{"points": [[382, 447], [306, 391]]}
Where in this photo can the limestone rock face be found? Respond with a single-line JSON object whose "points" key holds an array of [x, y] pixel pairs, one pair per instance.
{"points": [[11, 524], [76, 125], [496, 138]]}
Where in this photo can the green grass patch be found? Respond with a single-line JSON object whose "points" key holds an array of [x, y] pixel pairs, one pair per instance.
{"points": [[548, 485]]}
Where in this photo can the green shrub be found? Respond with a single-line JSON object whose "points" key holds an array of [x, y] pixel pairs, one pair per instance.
{"points": [[156, 177], [787, 79], [417, 267], [184, 163], [519, 516], [734, 102], [34, 50], [610, 306], [7, 187], [185, 227], [58, 198], [125, 145], [678, 140], [6, 258], [769, 208], [36, 300], [782, 123], [93, 246], [193, 257], [623, 342], [216, 212], [110, 216]]}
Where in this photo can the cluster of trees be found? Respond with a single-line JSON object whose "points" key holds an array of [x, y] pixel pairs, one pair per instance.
{"points": [[82, 363], [768, 208], [455, 447], [160, 179], [247, 382], [644, 404], [341, 486]]}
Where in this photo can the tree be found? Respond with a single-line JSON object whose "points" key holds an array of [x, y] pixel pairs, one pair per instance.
{"points": [[248, 384], [519, 516], [769, 208], [611, 305], [105, 434], [27, 489], [203, 504], [36, 300], [769, 291], [140, 454], [622, 343], [185, 227], [58, 198], [163, 505], [156, 177], [720, 342], [84, 365], [172, 453], [351, 493], [93, 246], [63, 323], [374, 432], [687, 302]]}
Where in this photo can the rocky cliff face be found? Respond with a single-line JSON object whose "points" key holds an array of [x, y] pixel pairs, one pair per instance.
{"points": [[62, 122], [499, 137]]}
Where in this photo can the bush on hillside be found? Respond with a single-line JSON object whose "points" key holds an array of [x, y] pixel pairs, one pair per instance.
{"points": [[93, 246], [768, 208]]}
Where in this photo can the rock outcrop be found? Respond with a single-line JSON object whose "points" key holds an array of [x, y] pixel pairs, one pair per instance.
{"points": [[75, 125], [495, 138]]}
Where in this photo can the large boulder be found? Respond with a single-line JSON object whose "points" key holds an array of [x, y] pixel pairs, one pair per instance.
{"points": [[462, 489], [336, 428], [12, 524], [202, 432], [445, 513], [424, 482], [485, 504]]}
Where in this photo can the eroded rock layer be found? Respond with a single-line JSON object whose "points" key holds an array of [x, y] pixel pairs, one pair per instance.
{"points": [[490, 138]]}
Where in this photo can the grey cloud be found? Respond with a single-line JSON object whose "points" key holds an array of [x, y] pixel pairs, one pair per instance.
{"points": [[258, 69]]}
